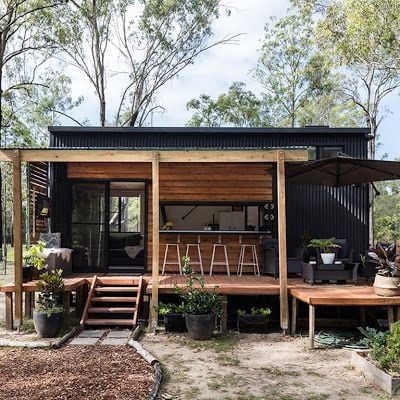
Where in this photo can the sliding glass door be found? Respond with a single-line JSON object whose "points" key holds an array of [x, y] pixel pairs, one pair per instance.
{"points": [[108, 226], [88, 228]]}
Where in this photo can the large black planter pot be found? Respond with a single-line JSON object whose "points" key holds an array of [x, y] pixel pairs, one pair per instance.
{"points": [[27, 273], [252, 321], [48, 326], [174, 322], [200, 327]]}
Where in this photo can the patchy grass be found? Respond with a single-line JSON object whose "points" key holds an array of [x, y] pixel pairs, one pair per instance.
{"points": [[27, 326], [226, 360], [311, 372], [218, 382], [275, 371], [319, 396], [218, 343]]}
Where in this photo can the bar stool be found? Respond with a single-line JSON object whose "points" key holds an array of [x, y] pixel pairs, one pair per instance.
{"points": [[254, 259], [225, 262], [200, 261], [177, 261]]}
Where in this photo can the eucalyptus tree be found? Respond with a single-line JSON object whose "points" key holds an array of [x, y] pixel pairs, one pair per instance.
{"points": [[238, 107], [284, 64], [363, 39], [24, 33], [139, 45]]}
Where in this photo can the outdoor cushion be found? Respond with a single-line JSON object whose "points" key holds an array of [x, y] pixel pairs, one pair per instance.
{"points": [[133, 240], [52, 240]]}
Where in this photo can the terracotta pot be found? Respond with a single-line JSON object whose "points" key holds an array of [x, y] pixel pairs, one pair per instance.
{"points": [[387, 286]]}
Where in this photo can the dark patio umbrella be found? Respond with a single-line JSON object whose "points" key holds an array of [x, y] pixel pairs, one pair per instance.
{"points": [[342, 170]]}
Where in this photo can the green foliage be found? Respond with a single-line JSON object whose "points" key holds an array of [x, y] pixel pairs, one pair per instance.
{"points": [[35, 255], [326, 245], [255, 311], [387, 212], [51, 287], [384, 347], [168, 308], [238, 108], [363, 38], [384, 256], [195, 299]]}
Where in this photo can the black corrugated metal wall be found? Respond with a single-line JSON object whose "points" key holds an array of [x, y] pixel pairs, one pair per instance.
{"points": [[318, 211]]}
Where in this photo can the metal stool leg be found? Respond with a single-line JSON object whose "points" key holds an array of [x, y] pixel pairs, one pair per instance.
{"points": [[255, 258], [212, 260], [227, 262], [240, 264], [178, 254], [200, 261]]}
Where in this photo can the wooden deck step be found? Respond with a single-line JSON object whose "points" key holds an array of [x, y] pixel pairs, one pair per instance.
{"points": [[107, 321], [114, 299], [112, 314], [117, 289], [112, 310]]}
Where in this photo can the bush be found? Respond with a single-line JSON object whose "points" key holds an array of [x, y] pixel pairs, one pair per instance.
{"points": [[384, 347]]}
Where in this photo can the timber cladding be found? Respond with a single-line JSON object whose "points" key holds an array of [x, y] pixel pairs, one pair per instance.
{"points": [[207, 182], [189, 182]]}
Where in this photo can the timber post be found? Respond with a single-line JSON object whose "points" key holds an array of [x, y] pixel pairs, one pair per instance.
{"points": [[153, 317], [283, 293], [17, 213]]}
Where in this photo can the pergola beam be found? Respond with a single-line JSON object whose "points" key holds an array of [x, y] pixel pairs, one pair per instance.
{"points": [[187, 156]]}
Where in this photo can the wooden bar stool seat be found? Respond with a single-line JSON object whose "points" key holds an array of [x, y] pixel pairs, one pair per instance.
{"points": [[176, 261], [199, 259], [225, 254], [254, 259]]}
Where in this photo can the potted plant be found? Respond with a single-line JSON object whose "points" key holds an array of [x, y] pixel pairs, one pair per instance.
{"points": [[48, 314], [27, 269], [201, 307], [387, 278], [35, 260], [325, 246], [256, 317], [174, 319]]}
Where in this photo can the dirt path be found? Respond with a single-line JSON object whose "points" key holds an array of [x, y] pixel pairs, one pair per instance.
{"points": [[256, 367]]}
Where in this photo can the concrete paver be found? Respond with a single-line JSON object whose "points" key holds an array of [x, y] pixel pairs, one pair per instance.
{"points": [[92, 333], [82, 341], [119, 334], [114, 341]]}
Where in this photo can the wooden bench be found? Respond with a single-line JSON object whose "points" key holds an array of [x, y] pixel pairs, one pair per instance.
{"points": [[77, 285]]}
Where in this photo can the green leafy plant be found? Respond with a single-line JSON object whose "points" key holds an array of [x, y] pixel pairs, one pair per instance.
{"points": [[195, 299], [51, 287], [384, 259], [255, 311], [384, 347], [325, 245], [36, 257], [168, 308]]}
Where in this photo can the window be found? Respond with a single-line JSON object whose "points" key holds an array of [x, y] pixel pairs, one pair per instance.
{"points": [[126, 207], [329, 151]]}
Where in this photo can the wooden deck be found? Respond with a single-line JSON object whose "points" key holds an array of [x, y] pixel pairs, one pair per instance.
{"points": [[340, 296], [245, 285]]}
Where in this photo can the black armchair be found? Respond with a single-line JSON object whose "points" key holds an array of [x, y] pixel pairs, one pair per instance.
{"points": [[271, 259]]}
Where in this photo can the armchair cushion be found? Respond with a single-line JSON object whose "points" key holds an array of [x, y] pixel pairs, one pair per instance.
{"points": [[52, 240]]}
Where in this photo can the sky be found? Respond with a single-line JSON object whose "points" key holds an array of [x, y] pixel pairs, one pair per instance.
{"points": [[214, 71]]}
